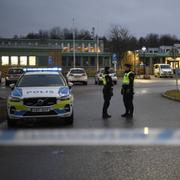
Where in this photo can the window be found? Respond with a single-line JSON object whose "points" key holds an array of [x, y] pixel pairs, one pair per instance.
{"points": [[101, 61], [70, 61], [23, 60], [15, 71], [78, 61], [14, 60], [64, 61], [4, 60], [77, 71], [32, 60], [85, 61], [92, 61], [41, 80]]}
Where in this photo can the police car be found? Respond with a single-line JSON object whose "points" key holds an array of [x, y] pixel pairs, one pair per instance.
{"points": [[40, 93]]}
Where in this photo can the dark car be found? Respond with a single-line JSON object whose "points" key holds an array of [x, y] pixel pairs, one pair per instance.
{"points": [[13, 75]]}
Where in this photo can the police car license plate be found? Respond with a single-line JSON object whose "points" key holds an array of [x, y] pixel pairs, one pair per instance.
{"points": [[35, 110]]}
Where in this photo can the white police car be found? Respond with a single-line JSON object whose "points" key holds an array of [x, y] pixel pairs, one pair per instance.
{"points": [[40, 93]]}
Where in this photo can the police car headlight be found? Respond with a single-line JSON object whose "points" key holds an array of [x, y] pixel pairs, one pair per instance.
{"points": [[64, 98], [15, 99]]}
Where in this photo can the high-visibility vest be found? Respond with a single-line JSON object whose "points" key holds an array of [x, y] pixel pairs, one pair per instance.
{"points": [[104, 79], [126, 80]]}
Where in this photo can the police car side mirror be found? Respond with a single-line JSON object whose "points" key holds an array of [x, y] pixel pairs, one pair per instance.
{"points": [[70, 84], [12, 86]]}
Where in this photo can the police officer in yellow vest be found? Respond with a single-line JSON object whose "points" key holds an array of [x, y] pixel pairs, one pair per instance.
{"points": [[107, 92], [128, 91]]}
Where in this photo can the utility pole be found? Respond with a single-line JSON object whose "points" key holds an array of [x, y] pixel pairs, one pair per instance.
{"points": [[74, 46], [97, 55]]}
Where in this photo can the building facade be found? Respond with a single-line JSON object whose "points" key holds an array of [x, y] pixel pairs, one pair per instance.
{"points": [[162, 55], [44, 53]]}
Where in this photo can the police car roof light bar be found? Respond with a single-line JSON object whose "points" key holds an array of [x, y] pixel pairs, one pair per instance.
{"points": [[54, 69]]}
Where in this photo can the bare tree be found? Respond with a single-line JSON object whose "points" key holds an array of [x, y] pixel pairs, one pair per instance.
{"points": [[120, 40]]}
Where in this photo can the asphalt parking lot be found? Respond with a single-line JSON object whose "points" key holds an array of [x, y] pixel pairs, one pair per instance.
{"points": [[99, 162], [151, 109]]}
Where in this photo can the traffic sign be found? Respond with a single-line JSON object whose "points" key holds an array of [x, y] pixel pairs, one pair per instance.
{"points": [[50, 60], [114, 58]]}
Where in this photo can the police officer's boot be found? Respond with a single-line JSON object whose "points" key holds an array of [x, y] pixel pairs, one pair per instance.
{"points": [[106, 116], [129, 116], [124, 115]]}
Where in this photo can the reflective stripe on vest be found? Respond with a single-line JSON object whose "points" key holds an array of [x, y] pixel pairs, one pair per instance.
{"points": [[104, 79], [126, 78]]}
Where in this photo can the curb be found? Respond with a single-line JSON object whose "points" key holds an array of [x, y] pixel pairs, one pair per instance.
{"points": [[169, 97]]}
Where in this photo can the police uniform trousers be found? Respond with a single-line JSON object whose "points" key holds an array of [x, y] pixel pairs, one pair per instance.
{"points": [[128, 102], [107, 98]]}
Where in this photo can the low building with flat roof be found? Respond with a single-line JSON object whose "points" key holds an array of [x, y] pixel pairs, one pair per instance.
{"points": [[48, 53]]}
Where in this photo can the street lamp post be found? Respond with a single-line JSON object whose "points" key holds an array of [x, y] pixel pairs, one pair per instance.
{"points": [[74, 46], [144, 50], [97, 55]]}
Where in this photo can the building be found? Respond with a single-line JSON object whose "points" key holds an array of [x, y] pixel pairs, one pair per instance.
{"points": [[163, 54], [44, 53]]}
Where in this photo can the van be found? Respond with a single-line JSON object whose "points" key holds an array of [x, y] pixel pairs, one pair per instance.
{"points": [[163, 70]]}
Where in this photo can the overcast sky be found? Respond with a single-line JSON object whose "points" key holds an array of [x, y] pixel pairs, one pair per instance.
{"points": [[139, 16]]}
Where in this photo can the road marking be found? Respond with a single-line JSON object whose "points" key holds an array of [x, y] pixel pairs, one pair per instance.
{"points": [[94, 137]]}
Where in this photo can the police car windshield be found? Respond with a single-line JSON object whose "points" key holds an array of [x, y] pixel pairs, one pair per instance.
{"points": [[41, 80]]}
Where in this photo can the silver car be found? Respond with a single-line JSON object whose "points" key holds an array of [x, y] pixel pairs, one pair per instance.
{"points": [[77, 75]]}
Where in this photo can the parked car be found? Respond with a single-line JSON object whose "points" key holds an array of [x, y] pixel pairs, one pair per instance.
{"points": [[13, 75], [163, 70], [99, 76], [77, 75]]}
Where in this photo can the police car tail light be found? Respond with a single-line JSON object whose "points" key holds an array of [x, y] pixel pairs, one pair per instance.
{"points": [[53, 69]]}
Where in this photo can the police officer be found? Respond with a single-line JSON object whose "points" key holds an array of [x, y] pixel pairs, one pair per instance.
{"points": [[107, 92], [128, 91]]}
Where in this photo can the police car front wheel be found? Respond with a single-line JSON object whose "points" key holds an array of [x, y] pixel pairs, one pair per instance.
{"points": [[70, 119], [11, 122]]}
